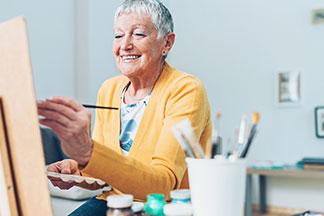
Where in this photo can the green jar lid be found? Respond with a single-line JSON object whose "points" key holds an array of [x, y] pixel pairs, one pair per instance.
{"points": [[155, 196], [154, 205]]}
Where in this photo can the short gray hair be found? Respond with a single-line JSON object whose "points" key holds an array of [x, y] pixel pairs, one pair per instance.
{"points": [[160, 15]]}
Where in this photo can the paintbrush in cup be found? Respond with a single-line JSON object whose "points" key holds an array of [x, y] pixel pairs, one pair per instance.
{"points": [[253, 131], [188, 133]]}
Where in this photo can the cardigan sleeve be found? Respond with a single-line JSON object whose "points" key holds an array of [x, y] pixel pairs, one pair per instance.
{"points": [[185, 99]]}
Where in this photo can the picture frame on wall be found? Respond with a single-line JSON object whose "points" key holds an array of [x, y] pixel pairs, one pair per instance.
{"points": [[319, 121], [288, 88]]}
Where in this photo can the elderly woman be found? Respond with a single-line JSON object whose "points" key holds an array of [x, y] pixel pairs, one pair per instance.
{"points": [[133, 148]]}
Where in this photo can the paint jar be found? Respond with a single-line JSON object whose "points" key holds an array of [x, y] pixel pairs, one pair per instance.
{"points": [[138, 209], [180, 196], [154, 205], [120, 205], [178, 209]]}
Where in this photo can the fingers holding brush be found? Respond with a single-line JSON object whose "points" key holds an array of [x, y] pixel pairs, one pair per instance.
{"points": [[65, 111], [68, 102], [53, 116], [58, 106]]}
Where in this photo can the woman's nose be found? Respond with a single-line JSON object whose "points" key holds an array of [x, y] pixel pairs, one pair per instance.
{"points": [[127, 43]]}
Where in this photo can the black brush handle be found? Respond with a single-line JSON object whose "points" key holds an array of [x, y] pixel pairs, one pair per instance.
{"points": [[99, 107], [248, 144]]}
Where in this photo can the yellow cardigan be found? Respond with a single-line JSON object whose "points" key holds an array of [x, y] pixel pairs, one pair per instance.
{"points": [[156, 162]]}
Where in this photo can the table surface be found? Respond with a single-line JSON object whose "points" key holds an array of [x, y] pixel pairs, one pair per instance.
{"points": [[62, 206]]}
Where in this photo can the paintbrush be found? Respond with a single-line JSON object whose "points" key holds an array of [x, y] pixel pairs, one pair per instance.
{"points": [[99, 107], [216, 147], [253, 131], [242, 134], [182, 141], [188, 133]]}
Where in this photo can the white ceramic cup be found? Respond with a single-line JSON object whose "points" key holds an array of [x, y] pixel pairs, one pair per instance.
{"points": [[217, 186]]}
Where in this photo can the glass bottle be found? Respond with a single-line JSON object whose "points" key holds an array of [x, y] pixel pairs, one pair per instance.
{"points": [[154, 205], [119, 205]]}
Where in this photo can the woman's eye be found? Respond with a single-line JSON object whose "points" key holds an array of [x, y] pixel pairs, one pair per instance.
{"points": [[139, 35], [118, 36]]}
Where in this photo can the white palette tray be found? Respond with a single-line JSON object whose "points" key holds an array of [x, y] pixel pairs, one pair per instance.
{"points": [[75, 187]]}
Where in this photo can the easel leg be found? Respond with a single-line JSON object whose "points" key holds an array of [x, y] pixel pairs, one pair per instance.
{"points": [[7, 167]]}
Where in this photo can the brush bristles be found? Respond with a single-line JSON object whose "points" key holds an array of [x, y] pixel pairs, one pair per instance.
{"points": [[255, 117], [218, 115]]}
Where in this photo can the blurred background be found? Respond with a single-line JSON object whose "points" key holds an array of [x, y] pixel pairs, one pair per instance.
{"points": [[237, 48]]}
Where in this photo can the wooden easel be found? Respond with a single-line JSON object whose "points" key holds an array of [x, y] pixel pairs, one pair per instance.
{"points": [[13, 205], [22, 160]]}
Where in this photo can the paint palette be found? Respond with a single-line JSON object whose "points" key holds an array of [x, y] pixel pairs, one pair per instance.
{"points": [[75, 187]]}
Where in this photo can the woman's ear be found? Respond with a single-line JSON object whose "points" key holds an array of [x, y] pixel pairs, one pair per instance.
{"points": [[169, 41]]}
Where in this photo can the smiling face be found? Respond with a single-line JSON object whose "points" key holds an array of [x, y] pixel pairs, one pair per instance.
{"points": [[136, 46]]}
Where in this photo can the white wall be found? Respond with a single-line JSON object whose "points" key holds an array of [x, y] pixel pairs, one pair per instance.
{"points": [[101, 62], [51, 36], [236, 47]]}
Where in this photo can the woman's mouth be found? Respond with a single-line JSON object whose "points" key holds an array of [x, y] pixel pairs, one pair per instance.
{"points": [[128, 58]]}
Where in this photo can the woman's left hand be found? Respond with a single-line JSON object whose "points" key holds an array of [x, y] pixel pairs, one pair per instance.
{"points": [[71, 122]]}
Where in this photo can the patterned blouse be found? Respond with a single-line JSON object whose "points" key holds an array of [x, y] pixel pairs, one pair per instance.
{"points": [[130, 116]]}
